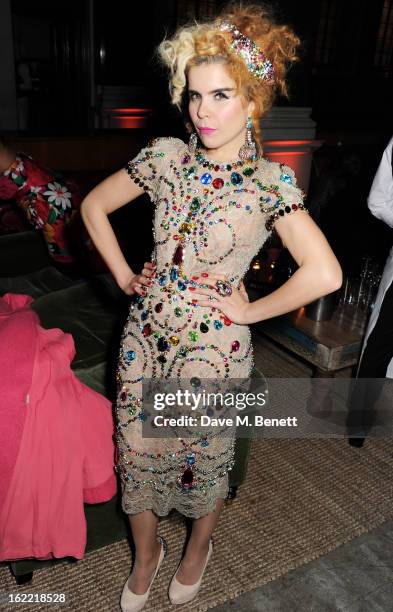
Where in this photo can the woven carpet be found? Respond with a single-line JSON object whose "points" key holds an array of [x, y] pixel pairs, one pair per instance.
{"points": [[301, 499]]}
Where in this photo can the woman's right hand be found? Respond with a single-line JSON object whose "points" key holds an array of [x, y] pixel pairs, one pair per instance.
{"points": [[136, 282]]}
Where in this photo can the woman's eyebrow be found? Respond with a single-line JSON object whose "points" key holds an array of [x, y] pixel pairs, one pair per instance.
{"points": [[214, 90]]}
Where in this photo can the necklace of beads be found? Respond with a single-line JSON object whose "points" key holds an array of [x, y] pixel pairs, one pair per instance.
{"points": [[223, 166]]}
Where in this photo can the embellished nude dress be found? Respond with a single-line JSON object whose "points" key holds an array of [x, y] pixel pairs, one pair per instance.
{"points": [[209, 217]]}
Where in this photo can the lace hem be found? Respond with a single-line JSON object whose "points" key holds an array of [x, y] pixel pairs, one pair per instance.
{"points": [[192, 504]]}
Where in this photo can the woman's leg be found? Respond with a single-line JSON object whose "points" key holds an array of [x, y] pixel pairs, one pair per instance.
{"points": [[198, 545], [147, 550]]}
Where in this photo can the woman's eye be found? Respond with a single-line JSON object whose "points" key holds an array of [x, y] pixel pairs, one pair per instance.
{"points": [[218, 96]]}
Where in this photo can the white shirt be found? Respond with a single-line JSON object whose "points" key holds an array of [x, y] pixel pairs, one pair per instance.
{"points": [[380, 199]]}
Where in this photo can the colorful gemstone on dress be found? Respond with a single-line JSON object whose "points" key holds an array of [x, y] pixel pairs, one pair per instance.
{"points": [[195, 204], [146, 331], [227, 321], [204, 443], [193, 336], [178, 311], [162, 344], [248, 171], [217, 324], [144, 315], [129, 356], [182, 351], [174, 340], [162, 359], [236, 178], [174, 274], [185, 228], [204, 328], [162, 280], [235, 345], [206, 178], [218, 183], [190, 459], [158, 307], [187, 478], [185, 159], [286, 178], [195, 381], [181, 285], [188, 172], [142, 416], [178, 255], [123, 396]]}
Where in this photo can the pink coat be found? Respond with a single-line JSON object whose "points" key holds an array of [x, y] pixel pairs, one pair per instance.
{"points": [[56, 440]]}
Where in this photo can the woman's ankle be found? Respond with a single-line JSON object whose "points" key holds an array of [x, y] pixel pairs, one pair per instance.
{"points": [[197, 547]]}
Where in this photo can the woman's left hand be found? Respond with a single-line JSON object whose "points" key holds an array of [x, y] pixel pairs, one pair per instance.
{"points": [[233, 306]]}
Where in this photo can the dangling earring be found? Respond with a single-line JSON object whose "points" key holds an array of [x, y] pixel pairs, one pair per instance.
{"points": [[249, 149], [192, 143]]}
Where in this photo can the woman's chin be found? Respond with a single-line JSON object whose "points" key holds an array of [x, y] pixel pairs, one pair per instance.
{"points": [[209, 140]]}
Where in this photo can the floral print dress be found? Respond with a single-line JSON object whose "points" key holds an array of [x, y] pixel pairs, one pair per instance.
{"points": [[48, 201]]}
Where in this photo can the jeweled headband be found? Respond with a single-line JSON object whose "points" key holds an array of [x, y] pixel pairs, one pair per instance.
{"points": [[248, 50]]}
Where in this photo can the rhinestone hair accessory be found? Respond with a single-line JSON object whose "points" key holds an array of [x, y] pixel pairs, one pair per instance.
{"points": [[248, 50]]}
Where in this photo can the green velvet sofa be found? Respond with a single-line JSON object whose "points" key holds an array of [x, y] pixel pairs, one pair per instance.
{"points": [[93, 310]]}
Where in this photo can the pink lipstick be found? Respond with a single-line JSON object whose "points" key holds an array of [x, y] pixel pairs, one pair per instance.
{"points": [[205, 130]]}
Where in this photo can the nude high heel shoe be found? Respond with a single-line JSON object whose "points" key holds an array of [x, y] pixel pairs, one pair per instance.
{"points": [[131, 602], [182, 593]]}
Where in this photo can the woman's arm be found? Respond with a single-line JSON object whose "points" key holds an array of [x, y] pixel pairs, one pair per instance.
{"points": [[111, 194], [319, 273], [7, 157]]}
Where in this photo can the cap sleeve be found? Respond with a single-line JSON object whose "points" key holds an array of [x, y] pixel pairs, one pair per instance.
{"points": [[279, 193], [149, 166]]}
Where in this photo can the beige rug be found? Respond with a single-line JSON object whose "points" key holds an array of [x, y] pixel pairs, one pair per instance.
{"points": [[302, 498]]}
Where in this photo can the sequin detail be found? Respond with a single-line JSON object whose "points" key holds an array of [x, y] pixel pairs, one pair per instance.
{"points": [[214, 225]]}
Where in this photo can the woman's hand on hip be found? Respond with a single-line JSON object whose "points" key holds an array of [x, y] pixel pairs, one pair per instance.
{"points": [[233, 306], [137, 283]]}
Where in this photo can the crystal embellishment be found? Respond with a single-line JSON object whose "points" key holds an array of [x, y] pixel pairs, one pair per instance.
{"points": [[206, 178], [236, 178]]}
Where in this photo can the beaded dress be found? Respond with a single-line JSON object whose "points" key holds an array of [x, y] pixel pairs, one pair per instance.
{"points": [[209, 217]]}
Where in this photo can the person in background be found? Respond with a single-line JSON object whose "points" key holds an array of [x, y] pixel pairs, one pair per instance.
{"points": [[48, 201], [376, 360]]}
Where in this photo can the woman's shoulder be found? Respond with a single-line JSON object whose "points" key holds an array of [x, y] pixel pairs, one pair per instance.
{"points": [[167, 145], [276, 173]]}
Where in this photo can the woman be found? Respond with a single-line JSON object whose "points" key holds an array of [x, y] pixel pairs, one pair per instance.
{"points": [[216, 201]]}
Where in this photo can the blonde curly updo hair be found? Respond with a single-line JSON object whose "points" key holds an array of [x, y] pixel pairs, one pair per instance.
{"points": [[200, 43]]}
